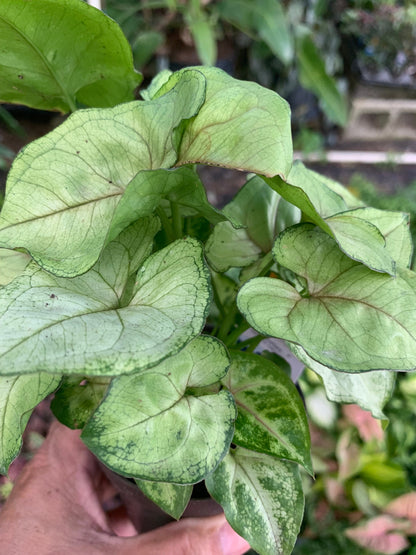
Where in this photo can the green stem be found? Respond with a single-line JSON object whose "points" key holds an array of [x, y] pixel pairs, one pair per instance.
{"points": [[267, 264], [235, 334], [217, 299], [251, 343], [227, 323], [176, 220], [165, 224]]}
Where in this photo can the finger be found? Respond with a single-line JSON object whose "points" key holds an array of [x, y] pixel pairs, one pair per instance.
{"points": [[190, 536]]}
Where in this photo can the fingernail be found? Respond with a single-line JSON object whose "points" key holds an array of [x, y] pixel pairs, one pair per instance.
{"points": [[231, 542]]}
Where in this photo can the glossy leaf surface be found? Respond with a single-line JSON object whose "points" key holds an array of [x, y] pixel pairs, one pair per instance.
{"points": [[262, 499], [55, 54], [271, 415], [101, 323], [152, 426], [350, 318], [19, 395]]}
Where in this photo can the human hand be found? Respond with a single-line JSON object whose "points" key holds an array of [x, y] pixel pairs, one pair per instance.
{"points": [[55, 508]]}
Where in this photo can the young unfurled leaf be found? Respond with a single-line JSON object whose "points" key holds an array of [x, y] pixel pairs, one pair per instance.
{"points": [[271, 415], [19, 395], [153, 426], [263, 213], [241, 125], [262, 499], [78, 173], [100, 323], [369, 390], [171, 498], [349, 318], [55, 54]]}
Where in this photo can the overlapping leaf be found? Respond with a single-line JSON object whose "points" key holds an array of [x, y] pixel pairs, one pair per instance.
{"points": [[153, 426], [362, 233], [241, 125], [171, 498], [263, 214], [350, 318], [271, 415], [106, 322], [12, 263], [19, 395], [67, 185], [57, 53], [262, 499], [369, 390]]}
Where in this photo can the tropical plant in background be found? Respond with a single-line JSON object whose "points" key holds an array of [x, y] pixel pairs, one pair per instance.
{"points": [[285, 44], [126, 293]]}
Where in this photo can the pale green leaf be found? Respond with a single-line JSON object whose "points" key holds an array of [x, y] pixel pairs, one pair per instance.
{"points": [[241, 125], [267, 19], [369, 390], [12, 264], [145, 192], [350, 318], [92, 325], [271, 415], [171, 498], [262, 499], [54, 54], [151, 426], [77, 398], [263, 213], [328, 207], [19, 395], [313, 76], [78, 173]]}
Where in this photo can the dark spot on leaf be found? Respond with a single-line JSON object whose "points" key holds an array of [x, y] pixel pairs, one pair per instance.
{"points": [[20, 76], [178, 435], [109, 181], [53, 296], [46, 304], [86, 140], [77, 151]]}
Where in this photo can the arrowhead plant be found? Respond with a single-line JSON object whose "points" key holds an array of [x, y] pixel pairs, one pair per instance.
{"points": [[125, 293]]}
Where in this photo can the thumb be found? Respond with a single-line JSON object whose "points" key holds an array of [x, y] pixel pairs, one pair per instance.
{"points": [[190, 536]]}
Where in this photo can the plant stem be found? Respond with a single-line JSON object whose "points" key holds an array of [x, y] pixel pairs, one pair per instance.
{"points": [[235, 334], [251, 343], [227, 323], [176, 220], [167, 227]]}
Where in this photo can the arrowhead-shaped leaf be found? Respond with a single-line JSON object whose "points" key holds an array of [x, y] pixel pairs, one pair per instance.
{"points": [[171, 498], [356, 231], [241, 125], [262, 499], [78, 173], [102, 323], [57, 53], [349, 318], [271, 415], [153, 426], [19, 395], [263, 213], [369, 390]]}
